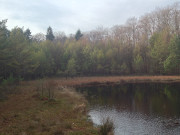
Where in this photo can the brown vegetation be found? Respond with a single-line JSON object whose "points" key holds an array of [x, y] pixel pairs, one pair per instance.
{"points": [[85, 81], [28, 112]]}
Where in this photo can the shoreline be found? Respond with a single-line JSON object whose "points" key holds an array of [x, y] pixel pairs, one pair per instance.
{"points": [[107, 80]]}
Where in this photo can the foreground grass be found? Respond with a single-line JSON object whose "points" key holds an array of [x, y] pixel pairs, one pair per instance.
{"points": [[27, 113]]}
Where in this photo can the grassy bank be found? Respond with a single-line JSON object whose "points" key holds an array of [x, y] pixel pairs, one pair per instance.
{"points": [[28, 112]]}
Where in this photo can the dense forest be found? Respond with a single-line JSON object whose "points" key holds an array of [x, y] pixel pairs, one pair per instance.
{"points": [[149, 45]]}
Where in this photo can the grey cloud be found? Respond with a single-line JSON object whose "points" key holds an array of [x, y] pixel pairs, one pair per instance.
{"points": [[69, 15]]}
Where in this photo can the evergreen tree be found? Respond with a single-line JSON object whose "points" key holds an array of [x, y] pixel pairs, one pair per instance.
{"points": [[4, 32], [78, 35], [5, 56], [50, 35], [27, 34]]}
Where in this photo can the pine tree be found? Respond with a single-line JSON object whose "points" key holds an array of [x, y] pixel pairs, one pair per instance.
{"points": [[27, 34], [50, 35], [78, 35]]}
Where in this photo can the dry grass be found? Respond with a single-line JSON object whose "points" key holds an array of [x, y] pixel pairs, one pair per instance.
{"points": [[62, 82], [27, 114]]}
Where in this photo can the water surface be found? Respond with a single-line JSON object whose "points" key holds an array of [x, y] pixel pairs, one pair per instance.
{"points": [[146, 108]]}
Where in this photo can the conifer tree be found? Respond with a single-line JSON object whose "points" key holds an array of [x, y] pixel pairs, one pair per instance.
{"points": [[50, 35], [78, 35]]}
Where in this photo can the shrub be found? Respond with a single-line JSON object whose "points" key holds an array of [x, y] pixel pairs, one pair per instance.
{"points": [[46, 88], [107, 127], [50, 87], [9, 81], [8, 86]]}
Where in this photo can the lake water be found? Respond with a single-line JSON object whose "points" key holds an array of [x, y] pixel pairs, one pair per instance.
{"points": [[136, 109]]}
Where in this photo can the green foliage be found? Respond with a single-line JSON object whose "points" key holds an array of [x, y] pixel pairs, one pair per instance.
{"points": [[99, 52], [9, 81], [138, 63], [124, 68], [159, 50], [172, 63], [71, 67]]}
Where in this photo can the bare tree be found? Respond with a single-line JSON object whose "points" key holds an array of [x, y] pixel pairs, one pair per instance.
{"points": [[39, 37]]}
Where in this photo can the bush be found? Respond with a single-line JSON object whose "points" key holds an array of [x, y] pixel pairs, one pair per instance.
{"points": [[9, 81], [8, 86], [46, 88], [50, 87], [107, 127]]}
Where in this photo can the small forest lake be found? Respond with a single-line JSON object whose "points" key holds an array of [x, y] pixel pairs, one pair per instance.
{"points": [[136, 108]]}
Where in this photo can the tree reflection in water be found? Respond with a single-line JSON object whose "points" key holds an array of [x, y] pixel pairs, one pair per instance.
{"points": [[156, 104]]}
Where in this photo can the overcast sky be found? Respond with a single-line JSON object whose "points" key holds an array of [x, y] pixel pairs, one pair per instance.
{"points": [[70, 15]]}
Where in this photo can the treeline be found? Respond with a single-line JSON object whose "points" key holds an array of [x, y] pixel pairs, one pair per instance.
{"points": [[148, 45]]}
